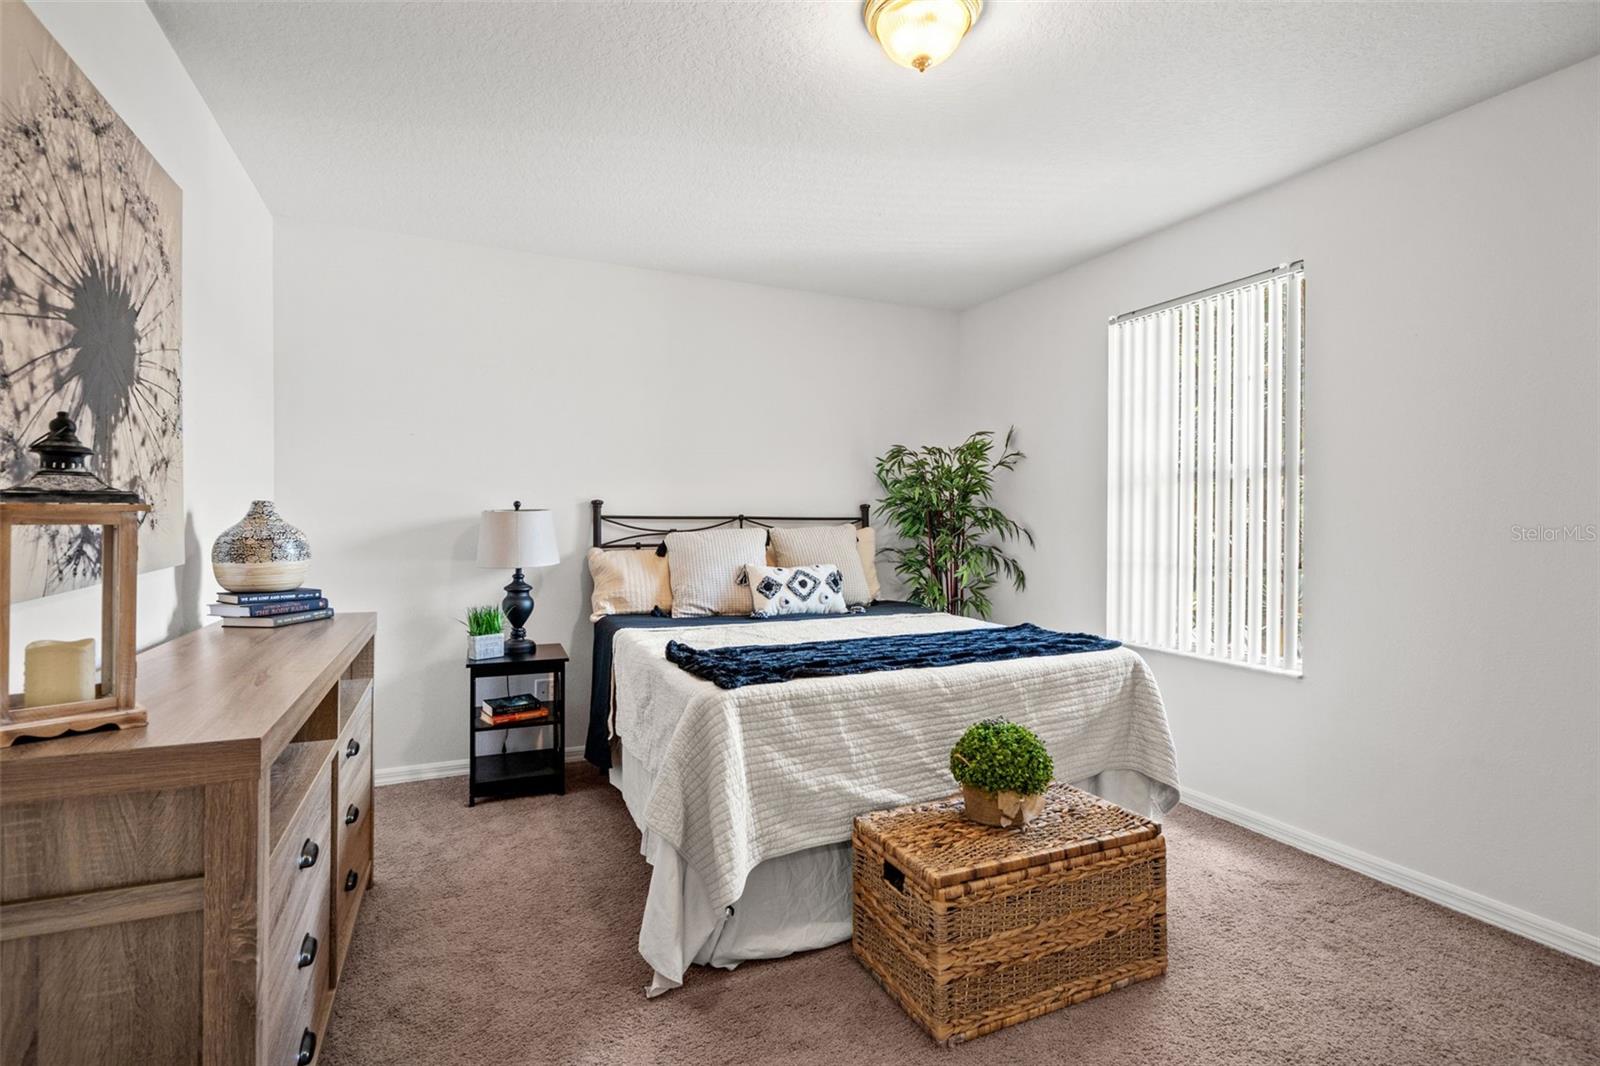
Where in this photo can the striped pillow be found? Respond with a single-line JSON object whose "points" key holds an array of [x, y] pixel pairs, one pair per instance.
{"points": [[707, 570], [867, 548], [833, 545], [628, 581]]}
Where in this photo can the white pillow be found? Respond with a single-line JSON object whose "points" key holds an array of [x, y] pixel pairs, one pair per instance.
{"points": [[867, 547], [831, 545], [628, 581], [778, 590], [707, 570]]}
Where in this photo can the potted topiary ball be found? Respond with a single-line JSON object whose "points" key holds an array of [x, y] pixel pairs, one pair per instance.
{"points": [[1003, 769]]}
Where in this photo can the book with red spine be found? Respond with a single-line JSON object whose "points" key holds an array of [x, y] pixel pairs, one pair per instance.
{"points": [[540, 715]]}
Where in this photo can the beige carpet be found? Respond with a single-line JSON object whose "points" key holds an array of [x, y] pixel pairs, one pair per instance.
{"points": [[506, 934]]}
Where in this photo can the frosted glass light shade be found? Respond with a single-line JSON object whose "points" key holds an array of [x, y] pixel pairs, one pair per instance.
{"points": [[509, 539], [920, 33]]}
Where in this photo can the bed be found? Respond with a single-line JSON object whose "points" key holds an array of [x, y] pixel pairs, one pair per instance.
{"points": [[743, 797]]}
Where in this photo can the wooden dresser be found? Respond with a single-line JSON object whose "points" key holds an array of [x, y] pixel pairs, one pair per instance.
{"points": [[186, 892]]}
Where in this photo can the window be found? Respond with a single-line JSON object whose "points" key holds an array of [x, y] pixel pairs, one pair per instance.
{"points": [[1207, 470]]}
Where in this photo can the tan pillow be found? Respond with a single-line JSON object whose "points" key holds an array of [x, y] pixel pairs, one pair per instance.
{"points": [[707, 570], [628, 581], [867, 545], [833, 545]]}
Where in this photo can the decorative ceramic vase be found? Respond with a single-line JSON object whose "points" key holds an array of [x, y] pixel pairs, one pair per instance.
{"points": [[1008, 810], [492, 646], [262, 553]]}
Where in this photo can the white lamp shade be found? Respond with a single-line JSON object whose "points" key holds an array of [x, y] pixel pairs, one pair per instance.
{"points": [[509, 539]]}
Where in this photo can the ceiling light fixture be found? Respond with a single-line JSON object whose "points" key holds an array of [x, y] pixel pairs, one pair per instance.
{"points": [[920, 33]]}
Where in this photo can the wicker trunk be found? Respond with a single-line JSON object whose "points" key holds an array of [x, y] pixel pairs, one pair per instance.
{"points": [[973, 928]]}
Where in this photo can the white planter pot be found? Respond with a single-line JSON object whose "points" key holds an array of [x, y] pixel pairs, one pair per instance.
{"points": [[490, 647]]}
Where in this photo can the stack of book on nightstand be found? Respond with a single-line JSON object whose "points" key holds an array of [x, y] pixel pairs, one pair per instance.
{"points": [[514, 710], [271, 610]]}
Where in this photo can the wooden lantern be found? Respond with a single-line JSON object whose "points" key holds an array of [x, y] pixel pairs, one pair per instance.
{"points": [[64, 492]]}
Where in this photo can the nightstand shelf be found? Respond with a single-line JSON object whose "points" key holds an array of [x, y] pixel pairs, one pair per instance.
{"points": [[480, 726], [518, 773], [514, 768]]}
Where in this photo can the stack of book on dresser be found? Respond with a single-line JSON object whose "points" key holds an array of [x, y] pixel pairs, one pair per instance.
{"points": [[514, 710], [271, 610]]}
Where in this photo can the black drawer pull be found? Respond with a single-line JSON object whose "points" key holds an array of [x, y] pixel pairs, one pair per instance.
{"points": [[308, 854], [351, 881], [352, 814], [352, 749], [308, 952], [308, 1049]]}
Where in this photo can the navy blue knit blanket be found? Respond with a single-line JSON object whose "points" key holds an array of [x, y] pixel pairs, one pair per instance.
{"points": [[759, 664]]}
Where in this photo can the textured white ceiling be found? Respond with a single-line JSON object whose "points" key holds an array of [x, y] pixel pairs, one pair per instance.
{"points": [[772, 142]]}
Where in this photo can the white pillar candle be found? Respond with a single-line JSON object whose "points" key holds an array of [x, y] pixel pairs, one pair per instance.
{"points": [[58, 671]]}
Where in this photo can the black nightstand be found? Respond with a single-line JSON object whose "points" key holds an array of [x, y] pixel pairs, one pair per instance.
{"points": [[518, 773]]}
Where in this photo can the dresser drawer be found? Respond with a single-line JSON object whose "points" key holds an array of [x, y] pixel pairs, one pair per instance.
{"points": [[312, 916], [354, 813], [301, 860], [355, 866], [355, 753], [295, 973]]}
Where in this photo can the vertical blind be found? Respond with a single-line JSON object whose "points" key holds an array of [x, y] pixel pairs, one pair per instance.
{"points": [[1206, 473]]}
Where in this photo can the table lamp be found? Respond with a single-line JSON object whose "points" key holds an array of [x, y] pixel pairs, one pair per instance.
{"points": [[517, 538]]}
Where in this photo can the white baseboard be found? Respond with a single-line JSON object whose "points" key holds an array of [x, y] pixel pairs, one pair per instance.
{"points": [[427, 771], [1564, 938]]}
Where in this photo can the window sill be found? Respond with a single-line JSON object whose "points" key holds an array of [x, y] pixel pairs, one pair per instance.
{"points": [[1258, 668]]}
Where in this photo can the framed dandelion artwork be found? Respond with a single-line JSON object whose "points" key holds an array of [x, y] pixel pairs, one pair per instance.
{"points": [[91, 310]]}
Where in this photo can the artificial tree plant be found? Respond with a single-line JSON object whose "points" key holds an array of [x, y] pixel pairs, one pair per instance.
{"points": [[938, 501]]}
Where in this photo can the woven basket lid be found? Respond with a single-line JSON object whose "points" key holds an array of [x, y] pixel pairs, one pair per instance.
{"points": [[936, 845]]}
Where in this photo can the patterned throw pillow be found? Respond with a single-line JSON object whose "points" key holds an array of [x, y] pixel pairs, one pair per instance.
{"points": [[830, 545], [628, 581], [707, 570], [780, 590]]}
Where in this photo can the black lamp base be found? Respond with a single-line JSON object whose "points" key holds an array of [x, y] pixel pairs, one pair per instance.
{"points": [[518, 608]]}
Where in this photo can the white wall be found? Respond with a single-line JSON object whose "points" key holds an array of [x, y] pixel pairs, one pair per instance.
{"points": [[1449, 717], [227, 313], [419, 382]]}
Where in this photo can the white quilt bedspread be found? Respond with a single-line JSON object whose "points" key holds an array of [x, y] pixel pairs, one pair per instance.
{"points": [[748, 774]]}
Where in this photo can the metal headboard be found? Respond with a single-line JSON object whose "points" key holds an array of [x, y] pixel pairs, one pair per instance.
{"points": [[650, 530]]}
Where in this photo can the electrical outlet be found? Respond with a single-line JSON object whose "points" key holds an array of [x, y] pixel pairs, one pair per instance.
{"points": [[541, 689]]}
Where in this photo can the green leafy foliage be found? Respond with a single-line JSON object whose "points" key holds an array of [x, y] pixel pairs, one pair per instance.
{"points": [[485, 621], [1000, 756], [937, 500]]}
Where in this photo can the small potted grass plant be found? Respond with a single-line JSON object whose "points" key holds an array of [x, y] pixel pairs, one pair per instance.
{"points": [[1003, 769], [486, 632]]}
